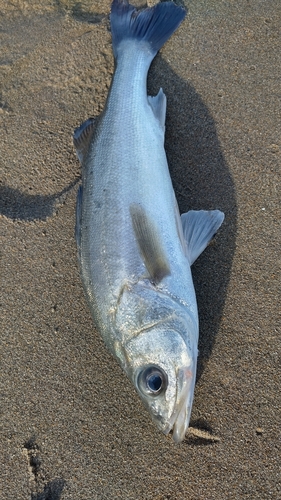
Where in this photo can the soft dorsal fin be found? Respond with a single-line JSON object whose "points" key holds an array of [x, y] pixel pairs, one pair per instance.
{"points": [[149, 243], [158, 104], [82, 137], [199, 227]]}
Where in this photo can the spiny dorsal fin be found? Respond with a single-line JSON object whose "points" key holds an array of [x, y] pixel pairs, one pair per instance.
{"points": [[82, 137], [179, 225], [199, 227], [149, 244]]}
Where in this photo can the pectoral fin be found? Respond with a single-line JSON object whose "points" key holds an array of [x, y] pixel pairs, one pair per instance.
{"points": [[82, 137], [199, 227], [149, 243]]}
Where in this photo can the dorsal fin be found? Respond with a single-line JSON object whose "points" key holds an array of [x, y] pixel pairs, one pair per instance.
{"points": [[158, 104], [82, 137], [199, 227], [149, 243]]}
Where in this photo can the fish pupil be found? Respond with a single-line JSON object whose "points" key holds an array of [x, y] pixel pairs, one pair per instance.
{"points": [[154, 382]]}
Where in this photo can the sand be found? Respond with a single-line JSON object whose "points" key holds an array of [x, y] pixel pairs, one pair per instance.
{"points": [[72, 426]]}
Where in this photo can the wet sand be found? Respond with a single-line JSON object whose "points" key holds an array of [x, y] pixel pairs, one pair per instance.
{"points": [[72, 426]]}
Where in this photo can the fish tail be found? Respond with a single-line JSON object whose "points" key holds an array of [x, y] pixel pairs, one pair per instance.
{"points": [[153, 25]]}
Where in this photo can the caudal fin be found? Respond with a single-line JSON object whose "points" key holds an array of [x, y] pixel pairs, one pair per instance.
{"points": [[153, 25]]}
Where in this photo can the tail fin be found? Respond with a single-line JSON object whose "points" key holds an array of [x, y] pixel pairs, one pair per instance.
{"points": [[153, 25]]}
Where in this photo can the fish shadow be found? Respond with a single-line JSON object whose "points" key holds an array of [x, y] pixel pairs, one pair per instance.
{"points": [[17, 205], [78, 11], [202, 180]]}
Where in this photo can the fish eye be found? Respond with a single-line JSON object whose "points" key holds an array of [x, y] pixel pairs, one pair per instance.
{"points": [[152, 380]]}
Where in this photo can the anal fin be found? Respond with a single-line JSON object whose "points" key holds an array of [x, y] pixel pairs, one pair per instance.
{"points": [[82, 137]]}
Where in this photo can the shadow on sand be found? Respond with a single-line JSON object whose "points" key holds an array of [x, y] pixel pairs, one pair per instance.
{"points": [[52, 491], [201, 180], [21, 206]]}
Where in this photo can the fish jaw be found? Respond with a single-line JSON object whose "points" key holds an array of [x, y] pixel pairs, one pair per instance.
{"points": [[180, 418]]}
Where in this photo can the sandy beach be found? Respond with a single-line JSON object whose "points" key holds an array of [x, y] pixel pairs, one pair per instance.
{"points": [[71, 425]]}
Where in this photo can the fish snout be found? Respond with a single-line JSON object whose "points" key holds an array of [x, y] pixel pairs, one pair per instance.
{"points": [[180, 417]]}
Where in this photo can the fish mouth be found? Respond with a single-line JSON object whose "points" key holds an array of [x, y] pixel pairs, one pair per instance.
{"points": [[179, 420]]}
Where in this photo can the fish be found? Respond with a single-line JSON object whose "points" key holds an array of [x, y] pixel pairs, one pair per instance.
{"points": [[135, 250]]}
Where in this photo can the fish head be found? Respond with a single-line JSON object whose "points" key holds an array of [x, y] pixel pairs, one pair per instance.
{"points": [[162, 367]]}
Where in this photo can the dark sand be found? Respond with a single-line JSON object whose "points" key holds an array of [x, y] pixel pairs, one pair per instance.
{"points": [[72, 426]]}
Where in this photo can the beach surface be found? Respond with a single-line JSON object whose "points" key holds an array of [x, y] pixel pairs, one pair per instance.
{"points": [[71, 425]]}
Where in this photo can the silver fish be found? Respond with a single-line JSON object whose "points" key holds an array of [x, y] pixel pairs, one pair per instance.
{"points": [[135, 250]]}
